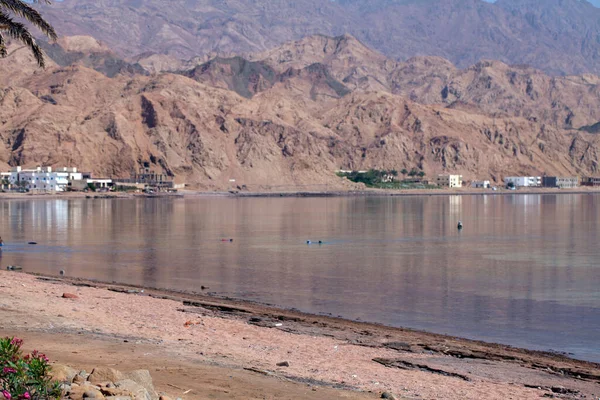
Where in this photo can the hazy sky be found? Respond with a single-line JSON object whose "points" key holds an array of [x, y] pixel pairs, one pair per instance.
{"points": [[594, 2]]}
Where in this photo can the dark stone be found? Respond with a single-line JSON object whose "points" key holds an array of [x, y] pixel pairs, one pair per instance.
{"points": [[400, 346], [283, 364], [388, 395], [563, 390]]}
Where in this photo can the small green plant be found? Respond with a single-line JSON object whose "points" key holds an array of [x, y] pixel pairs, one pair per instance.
{"points": [[25, 377], [91, 187]]}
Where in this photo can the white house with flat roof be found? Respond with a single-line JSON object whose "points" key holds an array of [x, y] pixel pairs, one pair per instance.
{"points": [[43, 179], [524, 181], [481, 184]]}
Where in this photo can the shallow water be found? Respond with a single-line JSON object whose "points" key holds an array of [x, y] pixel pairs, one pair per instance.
{"points": [[523, 271]]}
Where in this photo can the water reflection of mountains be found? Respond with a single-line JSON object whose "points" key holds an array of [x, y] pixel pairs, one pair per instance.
{"points": [[521, 271]]}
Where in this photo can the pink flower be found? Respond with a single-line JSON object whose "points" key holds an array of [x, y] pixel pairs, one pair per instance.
{"points": [[6, 395], [8, 370], [27, 396], [16, 342]]}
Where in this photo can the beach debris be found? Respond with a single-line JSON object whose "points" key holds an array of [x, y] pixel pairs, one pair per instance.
{"points": [[400, 346], [175, 386], [407, 365], [69, 296], [258, 371], [122, 290], [14, 268], [189, 323], [278, 325], [283, 364]]}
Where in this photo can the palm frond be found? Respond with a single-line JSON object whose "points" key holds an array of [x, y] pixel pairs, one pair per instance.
{"points": [[2, 46], [21, 9], [18, 31]]}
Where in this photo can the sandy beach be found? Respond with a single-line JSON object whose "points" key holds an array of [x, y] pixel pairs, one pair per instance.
{"points": [[223, 348]]}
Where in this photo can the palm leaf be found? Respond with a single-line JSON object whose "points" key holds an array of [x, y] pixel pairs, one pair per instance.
{"points": [[18, 31], [2, 46], [21, 9]]}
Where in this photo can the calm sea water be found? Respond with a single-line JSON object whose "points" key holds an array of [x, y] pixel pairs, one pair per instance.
{"points": [[524, 271]]}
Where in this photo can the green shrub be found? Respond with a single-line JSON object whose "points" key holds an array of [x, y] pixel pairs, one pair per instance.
{"points": [[25, 377]]}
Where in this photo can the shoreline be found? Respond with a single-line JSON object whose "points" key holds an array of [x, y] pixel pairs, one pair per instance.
{"points": [[300, 194], [389, 355], [234, 304]]}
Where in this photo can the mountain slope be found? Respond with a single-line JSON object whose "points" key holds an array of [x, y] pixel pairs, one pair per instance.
{"points": [[557, 36], [294, 115]]}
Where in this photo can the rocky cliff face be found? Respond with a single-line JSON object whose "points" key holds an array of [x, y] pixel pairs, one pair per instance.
{"points": [[557, 36], [291, 116]]}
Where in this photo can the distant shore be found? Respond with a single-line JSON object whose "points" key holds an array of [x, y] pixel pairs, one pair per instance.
{"points": [[415, 192], [330, 193], [214, 339]]}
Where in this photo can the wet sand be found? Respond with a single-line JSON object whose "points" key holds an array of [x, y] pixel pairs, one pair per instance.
{"points": [[223, 348]]}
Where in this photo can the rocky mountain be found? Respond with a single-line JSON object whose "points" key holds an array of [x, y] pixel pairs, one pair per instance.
{"points": [[560, 37], [291, 116]]}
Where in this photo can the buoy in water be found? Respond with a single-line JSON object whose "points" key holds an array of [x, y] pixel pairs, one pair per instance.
{"points": [[320, 242], [32, 243], [62, 272], [308, 242], [460, 225]]}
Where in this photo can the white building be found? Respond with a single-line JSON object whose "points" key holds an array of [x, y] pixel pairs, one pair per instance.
{"points": [[481, 184], [524, 181], [451, 181], [43, 179]]}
